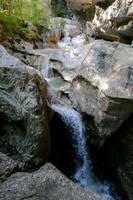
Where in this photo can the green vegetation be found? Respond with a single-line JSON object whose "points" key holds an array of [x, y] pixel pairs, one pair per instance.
{"points": [[58, 10], [15, 14], [12, 25]]}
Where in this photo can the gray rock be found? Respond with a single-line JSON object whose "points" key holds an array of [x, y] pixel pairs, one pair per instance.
{"points": [[103, 87], [113, 23], [7, 166], [46, 183], [24, 127], [119, 153]]}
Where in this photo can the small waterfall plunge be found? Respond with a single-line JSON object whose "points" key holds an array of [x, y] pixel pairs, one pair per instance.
{"points": [[73, 121], [83, 171], [75, 130], [47, 71]]}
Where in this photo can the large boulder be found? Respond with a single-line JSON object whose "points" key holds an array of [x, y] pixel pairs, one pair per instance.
{"points": [[79, 5], [83, 8], [117, 155], [7, 166], [103, 87], [115, 23], [125, 155], [24, 133], [46, 183]]}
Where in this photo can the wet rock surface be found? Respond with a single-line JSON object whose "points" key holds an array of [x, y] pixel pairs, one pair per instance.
{"points": [[95, 77]]}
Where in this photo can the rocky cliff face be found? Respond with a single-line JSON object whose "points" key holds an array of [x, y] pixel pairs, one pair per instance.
{"points": [[110, 20], [24, 132]]}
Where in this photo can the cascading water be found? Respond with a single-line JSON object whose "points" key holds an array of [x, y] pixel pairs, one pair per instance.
{"points": [[73, 121], [47, 71], [83, 172]]}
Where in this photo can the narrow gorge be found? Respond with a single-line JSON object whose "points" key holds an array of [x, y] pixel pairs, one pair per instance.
{"points": [[66, 100]]}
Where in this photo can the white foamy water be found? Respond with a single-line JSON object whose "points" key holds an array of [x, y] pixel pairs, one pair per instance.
{"points": [[75, 52], [47, 72], [73, 121], [83, 172]]}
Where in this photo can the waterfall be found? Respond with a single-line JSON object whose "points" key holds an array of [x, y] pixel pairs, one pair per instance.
{"points": [[83, 172], [73, 121], [47, 72]]}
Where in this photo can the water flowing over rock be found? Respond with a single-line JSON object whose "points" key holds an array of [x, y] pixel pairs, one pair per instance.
{"points": [[103, 87], [73, 121], [83, 173], [23, 111], [46, 183], [95, 77]]}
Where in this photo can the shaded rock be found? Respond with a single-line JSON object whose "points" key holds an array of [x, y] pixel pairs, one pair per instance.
{"points": [[24, 128], [125, 166], [117, 155], [103, 3], [103, 87], [60, 8], [83, 8], [46, 183], [7, 166], [79, 4]]}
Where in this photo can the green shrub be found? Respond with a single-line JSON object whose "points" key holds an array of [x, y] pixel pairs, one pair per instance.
{"points": [[12, 25], [58, 10], [14, 14]]}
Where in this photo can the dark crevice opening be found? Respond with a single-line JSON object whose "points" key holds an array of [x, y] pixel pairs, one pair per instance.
{"points": [[62, 152], [62, 156], [112, 155]]}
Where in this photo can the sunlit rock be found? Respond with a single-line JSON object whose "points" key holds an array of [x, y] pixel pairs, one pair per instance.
{"points": [[103, 86]]}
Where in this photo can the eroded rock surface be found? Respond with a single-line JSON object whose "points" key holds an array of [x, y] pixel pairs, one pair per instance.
{"points": [[103, 86], [24, 133], [46, 183], [7, 166], [107, 19], [115, 23]]}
